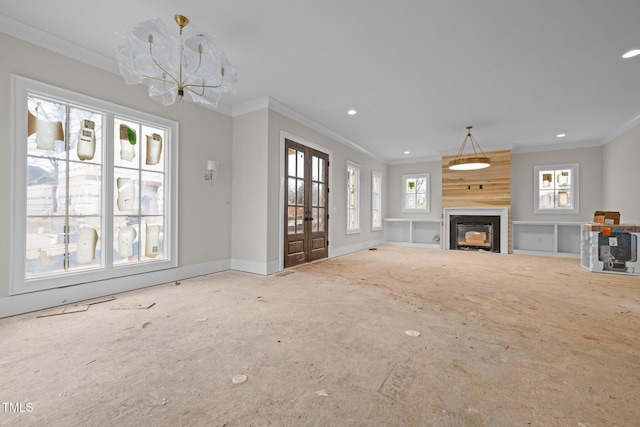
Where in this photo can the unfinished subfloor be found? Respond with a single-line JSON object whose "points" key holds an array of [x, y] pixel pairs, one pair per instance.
{"points": [[505, 340]]}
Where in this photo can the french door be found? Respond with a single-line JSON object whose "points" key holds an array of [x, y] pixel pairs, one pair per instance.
{"points": [[306, 218]]}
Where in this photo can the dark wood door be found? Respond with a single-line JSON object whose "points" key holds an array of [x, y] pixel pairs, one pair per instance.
{"points": [[306, 204]]}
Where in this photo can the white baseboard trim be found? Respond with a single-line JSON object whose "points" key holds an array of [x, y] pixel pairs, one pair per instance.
{"points": [[25, 303], [263, 268], [354, 248], [249, 266]]}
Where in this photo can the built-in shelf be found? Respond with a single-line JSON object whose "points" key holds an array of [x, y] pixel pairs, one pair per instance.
{"points": [[546, 238], [415, 232]]}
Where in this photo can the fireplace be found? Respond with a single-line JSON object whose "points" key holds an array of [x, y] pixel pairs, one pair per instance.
{"points": [[474, 232], [499, 232]]}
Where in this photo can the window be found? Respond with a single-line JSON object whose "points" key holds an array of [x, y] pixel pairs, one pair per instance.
{"points": [[556, 189], [376, 201], [93, 193], [353, 198], [415, 193]]}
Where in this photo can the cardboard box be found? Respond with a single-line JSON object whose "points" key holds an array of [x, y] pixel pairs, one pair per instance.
{"points": [[606, 217]]}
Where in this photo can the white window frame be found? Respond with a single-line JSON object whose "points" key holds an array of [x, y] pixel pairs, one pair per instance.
{"points": [[405, 194], [353, 198], [23, 88], [550, 192], [376, 201]]}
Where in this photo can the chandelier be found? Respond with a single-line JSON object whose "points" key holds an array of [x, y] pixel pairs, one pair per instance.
{"points": [[477, 161], [190, 66]]}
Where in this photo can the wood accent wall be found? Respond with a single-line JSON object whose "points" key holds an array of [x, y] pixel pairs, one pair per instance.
{"points": [[461, 189]]}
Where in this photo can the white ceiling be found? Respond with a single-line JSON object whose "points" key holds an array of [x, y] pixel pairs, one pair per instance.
{"points": [[417, 71]]}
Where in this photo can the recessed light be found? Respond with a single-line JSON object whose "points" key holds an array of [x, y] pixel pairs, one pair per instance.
{"points": [[631, 53], [352, 112], [407, 152], [561, 135]]}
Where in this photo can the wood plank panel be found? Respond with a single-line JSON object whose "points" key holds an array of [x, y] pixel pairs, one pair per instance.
{"points": [[484, 188], [490, 187]]}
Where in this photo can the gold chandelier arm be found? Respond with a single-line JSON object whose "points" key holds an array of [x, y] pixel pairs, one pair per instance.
{"points": [[160, 66], [199, 59], [203, 87]]}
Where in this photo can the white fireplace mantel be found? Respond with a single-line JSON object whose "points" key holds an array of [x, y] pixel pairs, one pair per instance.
{"points": [[503, 213]]}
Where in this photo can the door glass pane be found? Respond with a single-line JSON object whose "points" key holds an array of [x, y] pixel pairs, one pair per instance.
{"points": [[85, 136], [151, 238], [151, 193], [321, 217], [300, 191], [84, 242], [314, 168], [126, 239], [314, 223], [126, 191], [85, 185], [42, 186], [299, 220], [314, 194], [300, 167], [291, 220], [152, 146], [291, 162], [126, 147], [46, 128], [321, 195], [321, 177], [292, 192], [45, 245]]}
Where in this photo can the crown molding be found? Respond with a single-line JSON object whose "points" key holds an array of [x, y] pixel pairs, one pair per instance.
{"points": [[55, 44], [273, 104], [624, 128], [424, 159], [558, 147], [250, 106]]}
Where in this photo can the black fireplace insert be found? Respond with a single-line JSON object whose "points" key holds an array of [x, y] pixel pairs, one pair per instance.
{"points": [[475, 232]]}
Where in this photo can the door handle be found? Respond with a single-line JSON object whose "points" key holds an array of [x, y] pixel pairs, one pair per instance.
{"points": [[308, 218]]}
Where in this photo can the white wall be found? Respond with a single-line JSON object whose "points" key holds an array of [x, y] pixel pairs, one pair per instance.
{"points": [[621, 166], [204, 243], [394, 189], [250, 198], [590, 186]]}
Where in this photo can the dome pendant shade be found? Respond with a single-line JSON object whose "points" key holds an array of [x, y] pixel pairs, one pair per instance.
{"points": [[476, 161]]}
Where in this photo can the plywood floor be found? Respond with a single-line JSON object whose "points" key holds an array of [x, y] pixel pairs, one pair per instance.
{"points": [[505, 340]]}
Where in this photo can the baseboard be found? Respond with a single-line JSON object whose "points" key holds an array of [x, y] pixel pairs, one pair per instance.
{"points": [[25, 303], [354, 248]]}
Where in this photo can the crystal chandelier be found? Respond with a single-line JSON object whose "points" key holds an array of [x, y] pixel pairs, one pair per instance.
{"points": [[478, 161], [190, 66]]}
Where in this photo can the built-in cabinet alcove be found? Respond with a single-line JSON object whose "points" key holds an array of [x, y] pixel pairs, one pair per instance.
{"points": [[485, 192]]}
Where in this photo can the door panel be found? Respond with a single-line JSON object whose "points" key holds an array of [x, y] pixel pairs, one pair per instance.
{"points": [[307, 213]]}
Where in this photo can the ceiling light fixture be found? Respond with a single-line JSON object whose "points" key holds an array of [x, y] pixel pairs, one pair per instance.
{"points": [[561, 135], [190, 66], [478, 161], [352, 112], [631, 53]]}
